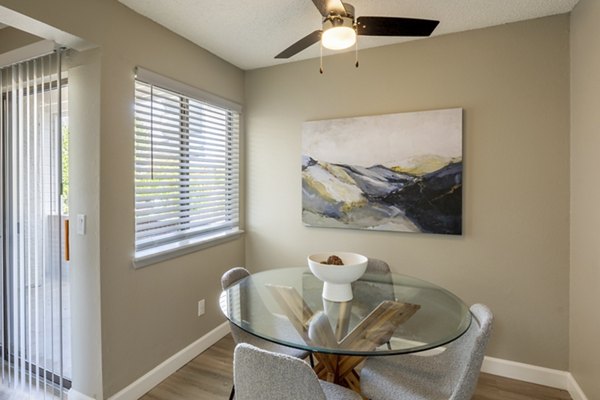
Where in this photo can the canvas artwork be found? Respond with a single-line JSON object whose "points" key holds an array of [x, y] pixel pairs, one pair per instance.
{"points": [[396, 172]]}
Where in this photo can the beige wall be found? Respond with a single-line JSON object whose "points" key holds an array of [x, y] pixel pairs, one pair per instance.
{"points": [[585, 197], [11, 38], [513, 83], [151, 313]]}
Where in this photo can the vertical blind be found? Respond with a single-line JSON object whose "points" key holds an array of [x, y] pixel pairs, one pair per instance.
{"points": [[31, 320], [186, 168]]}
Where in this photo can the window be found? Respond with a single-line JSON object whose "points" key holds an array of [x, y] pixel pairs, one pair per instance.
{"points": [[186, 168]]}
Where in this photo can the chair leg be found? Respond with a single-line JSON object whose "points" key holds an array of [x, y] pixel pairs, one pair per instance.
{"points": [[312, 361], [232, 394]]}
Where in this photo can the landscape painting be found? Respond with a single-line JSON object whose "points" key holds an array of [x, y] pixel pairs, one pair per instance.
{"points": [[396, 172]]}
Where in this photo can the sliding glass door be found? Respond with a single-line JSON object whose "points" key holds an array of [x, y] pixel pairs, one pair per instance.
{"points": [[34, 309]]}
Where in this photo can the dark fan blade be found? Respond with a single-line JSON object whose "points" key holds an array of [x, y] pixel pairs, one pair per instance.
{"points": [[391, 26], [327, 7], [300, 45]]}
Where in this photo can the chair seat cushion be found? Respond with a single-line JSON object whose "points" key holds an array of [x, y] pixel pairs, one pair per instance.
{"points": [[241, 336], [334, 392], [404, 377], [277, 348]]}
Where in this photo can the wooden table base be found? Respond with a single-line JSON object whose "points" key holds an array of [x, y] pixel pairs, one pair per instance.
{"points": [[339, 370], [373, 331]]}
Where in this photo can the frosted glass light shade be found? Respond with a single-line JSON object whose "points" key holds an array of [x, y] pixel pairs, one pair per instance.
{"points": [[338, 38]]}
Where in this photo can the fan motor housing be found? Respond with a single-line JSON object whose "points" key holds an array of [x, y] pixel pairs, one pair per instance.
{"points": [[335, 20]]}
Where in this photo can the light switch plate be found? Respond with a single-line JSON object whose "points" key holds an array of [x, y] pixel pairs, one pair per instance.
{"points": [[81, 219]]}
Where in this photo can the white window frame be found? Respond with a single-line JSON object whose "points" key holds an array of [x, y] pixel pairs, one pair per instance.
{"points": [[160, 250]]}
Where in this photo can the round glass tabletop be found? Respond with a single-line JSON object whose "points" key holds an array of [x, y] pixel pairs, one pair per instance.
{"points": [[389, 314]]}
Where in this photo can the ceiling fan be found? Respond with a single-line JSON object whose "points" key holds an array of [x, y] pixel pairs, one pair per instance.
{"points": [[340, 28]]}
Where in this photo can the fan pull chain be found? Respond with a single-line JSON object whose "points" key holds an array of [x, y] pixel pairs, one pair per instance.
{"points": [[321, 58], [356, 51]]}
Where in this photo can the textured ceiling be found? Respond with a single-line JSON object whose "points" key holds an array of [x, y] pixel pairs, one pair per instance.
{"points": [[250, 33]]}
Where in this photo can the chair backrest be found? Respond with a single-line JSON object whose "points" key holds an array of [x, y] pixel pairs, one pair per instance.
{"points": [[375, 266], [375, 285], [261, 374], [465, 355], [229, 278], [320, 330], [232, 276]]}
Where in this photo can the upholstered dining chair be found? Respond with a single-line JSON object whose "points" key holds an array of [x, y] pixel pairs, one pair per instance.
{"points": [[240, 336], [265, 375], [377, 271], [449, 375], [376, 266]]}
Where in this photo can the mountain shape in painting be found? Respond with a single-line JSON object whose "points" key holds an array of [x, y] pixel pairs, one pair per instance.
{"points": [[423, 195]]}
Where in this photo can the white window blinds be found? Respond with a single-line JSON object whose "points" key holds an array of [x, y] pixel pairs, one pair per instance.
{"points": [[34, 278], [186, 169]]}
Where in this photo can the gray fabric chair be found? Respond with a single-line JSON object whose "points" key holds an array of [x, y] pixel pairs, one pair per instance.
{"points": [[450, 375], [260, 374], [375, 282], [375, 266], [240, 336]]}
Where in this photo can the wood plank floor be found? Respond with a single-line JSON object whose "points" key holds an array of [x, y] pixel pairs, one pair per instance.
{"points": [[208, 377]]}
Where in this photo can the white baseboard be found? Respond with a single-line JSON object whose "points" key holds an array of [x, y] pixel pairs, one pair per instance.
{"points": [[496, 366], [162, 371], [75, 395], [533, 374], [574, 389], [525, 372]]}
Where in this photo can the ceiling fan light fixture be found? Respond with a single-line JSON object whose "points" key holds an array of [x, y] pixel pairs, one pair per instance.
{"points": [[338, 33], [339, 38], [340, 28]]}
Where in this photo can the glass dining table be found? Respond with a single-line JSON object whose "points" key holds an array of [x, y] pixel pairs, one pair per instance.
{"points": [[389, 314]]}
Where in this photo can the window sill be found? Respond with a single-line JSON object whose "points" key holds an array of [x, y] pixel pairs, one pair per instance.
{"points": [[172, 250]]}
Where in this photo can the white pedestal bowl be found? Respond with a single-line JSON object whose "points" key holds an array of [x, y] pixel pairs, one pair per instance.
{"points": [[337, 279]]}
